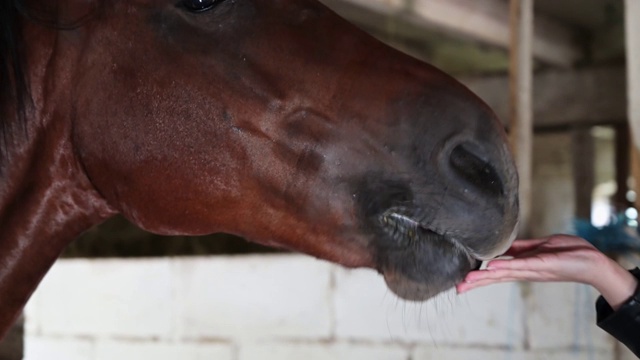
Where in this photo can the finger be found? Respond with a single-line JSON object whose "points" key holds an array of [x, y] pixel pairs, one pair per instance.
{"points": [[533, 263], [478, 275], [465, 286], [521, 246], [482, 275], [517, 274]]}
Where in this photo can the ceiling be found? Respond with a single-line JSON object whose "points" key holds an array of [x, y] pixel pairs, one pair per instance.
{"points": [[471, 36]]}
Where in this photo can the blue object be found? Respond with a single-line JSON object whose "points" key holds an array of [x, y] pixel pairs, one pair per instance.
{"points": [[616, 237]]}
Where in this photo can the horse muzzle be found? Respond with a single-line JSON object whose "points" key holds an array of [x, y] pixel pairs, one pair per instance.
{"points": [[431, 225]]}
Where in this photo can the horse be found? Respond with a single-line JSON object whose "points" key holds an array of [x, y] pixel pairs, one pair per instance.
{"points": [[274, 120]]}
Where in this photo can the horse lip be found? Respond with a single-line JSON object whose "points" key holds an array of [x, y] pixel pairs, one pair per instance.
{"points": [[395, 223]]}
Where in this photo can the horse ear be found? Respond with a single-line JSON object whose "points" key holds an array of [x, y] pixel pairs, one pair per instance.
{"points": [[61, 14]]}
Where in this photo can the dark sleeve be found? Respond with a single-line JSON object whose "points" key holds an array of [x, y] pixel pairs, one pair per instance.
{"points": [[623, 324]]}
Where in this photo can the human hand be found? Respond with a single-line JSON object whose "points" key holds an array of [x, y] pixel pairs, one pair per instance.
{"points": [[557, 258]]}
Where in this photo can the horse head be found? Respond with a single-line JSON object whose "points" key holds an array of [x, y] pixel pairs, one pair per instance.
{"points": [[275, 120]]}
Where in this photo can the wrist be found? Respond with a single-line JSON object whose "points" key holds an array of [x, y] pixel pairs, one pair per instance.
{"points": [[615, 283]]}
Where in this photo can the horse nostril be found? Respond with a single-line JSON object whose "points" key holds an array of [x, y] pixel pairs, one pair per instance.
{"points": [[474, 170]]}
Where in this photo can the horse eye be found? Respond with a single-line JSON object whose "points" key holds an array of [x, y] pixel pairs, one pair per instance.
{"points": [[200, 5]]}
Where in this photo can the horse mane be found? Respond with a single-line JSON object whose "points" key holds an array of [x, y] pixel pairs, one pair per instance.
{"points": [[15, 96], [13, 84]]}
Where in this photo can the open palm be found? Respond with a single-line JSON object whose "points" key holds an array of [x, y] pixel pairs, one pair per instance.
{"points": [[556, 258]]}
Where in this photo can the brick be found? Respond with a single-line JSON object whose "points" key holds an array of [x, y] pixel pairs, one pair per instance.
{"points": [[310, 351], [127, 350], [107, 298], [570, 355], [41, 348], [449, 353], [562, 315], [32, 315], [366, 310], [480, 353], [254, 297]]}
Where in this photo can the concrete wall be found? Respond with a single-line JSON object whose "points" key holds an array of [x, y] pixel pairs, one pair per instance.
{"points": [[293, 307], [554, 201], [553, 204]]}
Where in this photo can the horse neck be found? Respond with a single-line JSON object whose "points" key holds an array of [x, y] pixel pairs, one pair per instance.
{"points": [[45, 193], [46, 200]]}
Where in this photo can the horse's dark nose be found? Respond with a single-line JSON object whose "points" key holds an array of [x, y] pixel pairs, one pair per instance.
{"points": [[473, 169]]}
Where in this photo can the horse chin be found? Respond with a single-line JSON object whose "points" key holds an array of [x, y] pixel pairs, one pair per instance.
{"points": [[416, 285], [408, 289], [418, 263], [428, 283]]}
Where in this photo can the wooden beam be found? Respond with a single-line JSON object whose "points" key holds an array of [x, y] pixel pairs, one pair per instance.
{"points": [[623, 150], [485, 21], [449, 54], [632, 33], [520, 102], [583, 160], [562, 98], [635, 173], [608, 44]]}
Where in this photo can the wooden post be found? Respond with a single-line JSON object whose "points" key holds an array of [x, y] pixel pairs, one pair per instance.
{"points": [[521, 110], [632, 34], [623, 170], [635, 174], [632, 43], [583, 159]]}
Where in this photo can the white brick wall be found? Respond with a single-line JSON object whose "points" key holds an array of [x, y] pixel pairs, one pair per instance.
{"points": [[322, 351], [108, 298], [366, 310], [51, 347], [440, 353], [253, 297], [124, 350], [564, 326], [294, 307]]}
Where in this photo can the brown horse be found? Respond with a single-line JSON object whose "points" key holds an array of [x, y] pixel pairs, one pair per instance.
{"points": [[272, 119]]}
